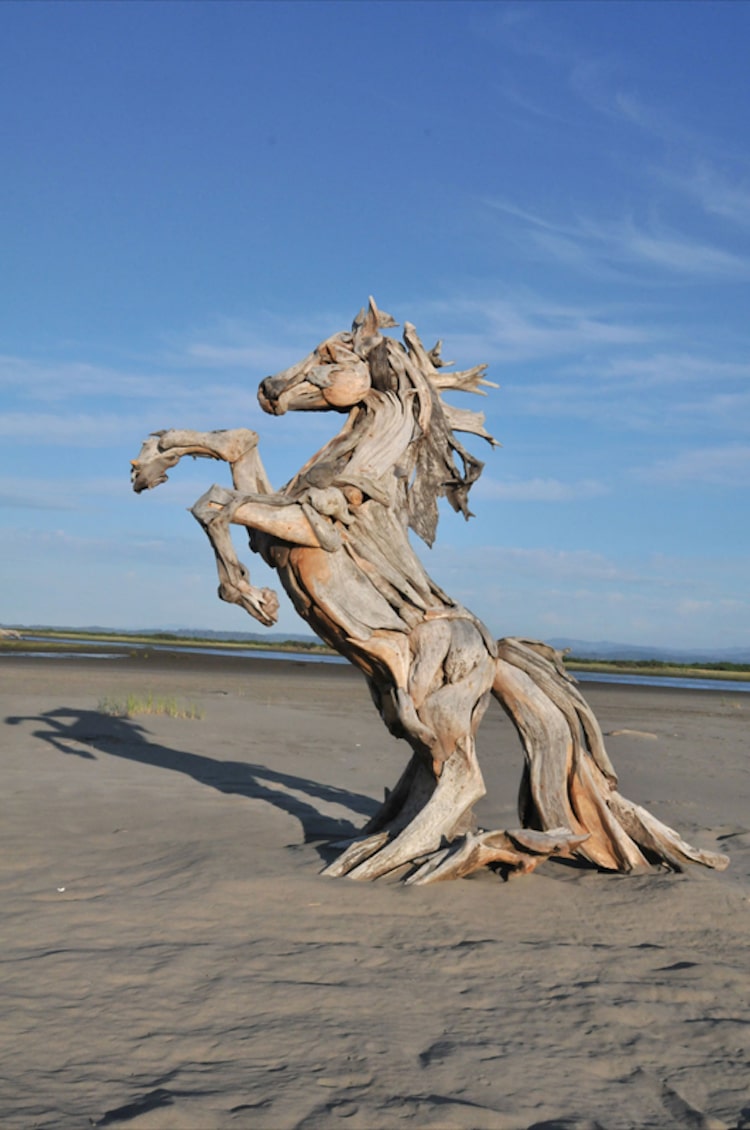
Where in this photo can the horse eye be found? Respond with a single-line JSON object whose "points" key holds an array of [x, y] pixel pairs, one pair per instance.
{"points": [[319, 376], [341, 354]]}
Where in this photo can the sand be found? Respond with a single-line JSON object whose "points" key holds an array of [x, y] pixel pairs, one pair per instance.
{"points": [[172, 957]]}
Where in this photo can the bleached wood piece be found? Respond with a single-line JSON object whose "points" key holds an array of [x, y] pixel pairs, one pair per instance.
{"points": [[337, 535], [518, 851]]}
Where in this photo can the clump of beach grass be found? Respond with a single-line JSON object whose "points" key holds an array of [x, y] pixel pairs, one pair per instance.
{"points": [[134, 705]]}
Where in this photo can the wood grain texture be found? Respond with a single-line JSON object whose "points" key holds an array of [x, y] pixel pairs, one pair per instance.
{"points": [[337, 536]]}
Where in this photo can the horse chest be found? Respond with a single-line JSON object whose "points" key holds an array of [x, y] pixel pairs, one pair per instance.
{"points": [[331, 588]]}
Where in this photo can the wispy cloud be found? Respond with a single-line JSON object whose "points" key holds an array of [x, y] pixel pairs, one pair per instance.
{"points": [[84, 429], [715, 192], [63, 380], [674, 252], [518, 28], [523, 564], [606, 88], [261, 344], [27, 545], [665, 368], [603, 81], [722, 411], [216, 355], [601, 244], [646, 598], [77, 403], [592, 401], [26, 497], [540, 490], [526, 327], [626, 367], [643, 403], [64, 492], [61, 384], [726, 466]]}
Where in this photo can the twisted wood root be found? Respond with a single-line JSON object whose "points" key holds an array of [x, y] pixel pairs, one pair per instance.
{"points": [[569, 804]]}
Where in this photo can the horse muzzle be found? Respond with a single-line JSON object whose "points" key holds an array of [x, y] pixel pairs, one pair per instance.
{"points": [[299, 393], [269, 395]]}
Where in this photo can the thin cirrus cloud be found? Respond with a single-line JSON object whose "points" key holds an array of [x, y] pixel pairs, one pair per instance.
{"points": [[601, 87], [716, 193], [540, 490], [623, 405], [724, 466], [80, 403], [595, 244], [687, 390], [63, 380], [528, 327], [216, 355], [35, 496], [522, 563], [664, 368], [60, 493], [724, 411], [263, 343], [62, 545], [84, 429], [57, 382], [599, 81]]}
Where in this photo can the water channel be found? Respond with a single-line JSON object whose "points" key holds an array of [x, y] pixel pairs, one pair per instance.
{"points": [[98, 651]]}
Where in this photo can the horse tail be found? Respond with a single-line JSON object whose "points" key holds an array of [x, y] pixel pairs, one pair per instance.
{"points": [[568, 779]]}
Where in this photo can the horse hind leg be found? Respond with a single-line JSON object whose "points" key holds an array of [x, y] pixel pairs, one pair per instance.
{"points": [[433, 814], [569, 802], [439, 713], [437, 835]]}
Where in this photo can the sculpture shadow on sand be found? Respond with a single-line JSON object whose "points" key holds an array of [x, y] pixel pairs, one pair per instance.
{"points": [[88, 734]]}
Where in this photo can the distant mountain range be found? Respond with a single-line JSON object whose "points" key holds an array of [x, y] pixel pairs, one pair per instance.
{"points": [[583, 649], [606, 649]]}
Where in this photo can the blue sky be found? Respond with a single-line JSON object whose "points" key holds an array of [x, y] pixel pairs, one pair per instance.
{"points": [[194, 194]]}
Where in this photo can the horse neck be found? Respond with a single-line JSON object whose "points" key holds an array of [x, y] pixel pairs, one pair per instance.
{"points": [[375, 441], [383, 447]]}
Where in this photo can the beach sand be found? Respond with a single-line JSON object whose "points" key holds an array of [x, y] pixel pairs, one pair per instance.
{"points": [[173, 959]]}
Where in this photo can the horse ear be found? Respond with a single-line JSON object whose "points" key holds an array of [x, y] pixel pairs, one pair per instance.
{"points": [[385, 321], [369, 321]]}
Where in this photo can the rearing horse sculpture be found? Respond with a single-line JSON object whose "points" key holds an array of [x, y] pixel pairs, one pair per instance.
{"points": [[337, 535]]}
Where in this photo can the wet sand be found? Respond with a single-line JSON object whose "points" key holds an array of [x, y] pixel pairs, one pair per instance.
{"points": [[173, 958]]}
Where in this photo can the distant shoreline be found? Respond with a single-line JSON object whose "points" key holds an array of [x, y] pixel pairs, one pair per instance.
{"points": [[57, 641], [62, 637], [665, 669]]}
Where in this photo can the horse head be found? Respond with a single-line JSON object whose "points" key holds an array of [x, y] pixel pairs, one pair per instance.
{"points": [[336, 375], [406, 380]]}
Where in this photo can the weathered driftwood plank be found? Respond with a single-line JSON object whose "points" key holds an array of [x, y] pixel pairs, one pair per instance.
{"points": [[337, 535]]}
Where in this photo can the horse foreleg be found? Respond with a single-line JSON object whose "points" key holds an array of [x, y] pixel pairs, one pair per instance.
{"points": [[236, 446], [214, 513], [272, 514]]}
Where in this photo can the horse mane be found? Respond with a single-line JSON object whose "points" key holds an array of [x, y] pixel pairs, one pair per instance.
{"points": [[442, 467]]}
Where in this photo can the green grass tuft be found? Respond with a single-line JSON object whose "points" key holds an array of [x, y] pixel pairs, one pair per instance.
{"points": [[134, 705]]}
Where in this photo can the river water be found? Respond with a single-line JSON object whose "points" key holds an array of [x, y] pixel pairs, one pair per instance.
{"points": [[98, 651]]}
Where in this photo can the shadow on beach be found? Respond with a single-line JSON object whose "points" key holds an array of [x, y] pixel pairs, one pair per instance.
{"points": [[88, 733]]}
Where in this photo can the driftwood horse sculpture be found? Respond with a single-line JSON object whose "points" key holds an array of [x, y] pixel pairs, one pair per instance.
{"points": [[337, 535]]}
